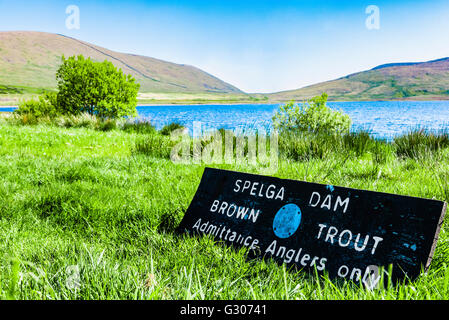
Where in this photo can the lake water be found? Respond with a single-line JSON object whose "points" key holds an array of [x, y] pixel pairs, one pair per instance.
{"points": [[384, 119]]}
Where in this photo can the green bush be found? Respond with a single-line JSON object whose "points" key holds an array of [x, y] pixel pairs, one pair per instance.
{"points": [[97, 88], [84, 86], [312, 116], [44, 106]]}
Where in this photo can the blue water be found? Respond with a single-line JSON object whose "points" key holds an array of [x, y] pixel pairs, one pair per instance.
{"points": [[4, 109], [384, 119]]}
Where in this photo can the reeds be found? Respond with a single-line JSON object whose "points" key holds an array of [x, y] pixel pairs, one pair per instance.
{"points": [[418, 143]]}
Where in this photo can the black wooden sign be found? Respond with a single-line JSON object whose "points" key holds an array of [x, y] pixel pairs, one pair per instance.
{"points": [[344, 232]]}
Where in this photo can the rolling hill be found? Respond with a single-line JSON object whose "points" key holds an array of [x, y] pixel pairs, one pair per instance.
{"points": [[29, 60], [395, 81]]}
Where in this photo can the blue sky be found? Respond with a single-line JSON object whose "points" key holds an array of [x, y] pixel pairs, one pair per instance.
{"points": [[258, 46]]}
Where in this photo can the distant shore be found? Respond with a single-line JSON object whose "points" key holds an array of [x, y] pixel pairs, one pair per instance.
{"points": [[233, 102]]}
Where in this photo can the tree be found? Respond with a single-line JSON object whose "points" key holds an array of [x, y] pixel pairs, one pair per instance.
{"points": [[97, 88], [312, 116]]}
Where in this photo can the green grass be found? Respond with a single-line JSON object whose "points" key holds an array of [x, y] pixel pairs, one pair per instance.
{"points": [[21, 90], [96, 200]]}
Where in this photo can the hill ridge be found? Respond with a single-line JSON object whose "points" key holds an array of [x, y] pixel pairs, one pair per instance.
{"points": [[106, 54], [29, 59], [427, 80]]}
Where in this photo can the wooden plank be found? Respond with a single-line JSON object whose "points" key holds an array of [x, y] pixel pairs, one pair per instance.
{"points": [[342, 231]]}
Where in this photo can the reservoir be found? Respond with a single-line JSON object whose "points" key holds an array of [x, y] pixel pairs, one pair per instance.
{"points": [[383, 119]]}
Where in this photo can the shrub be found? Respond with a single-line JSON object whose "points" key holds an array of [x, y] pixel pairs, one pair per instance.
{"points": [[312, 116], [44, 106], [97, 88]]}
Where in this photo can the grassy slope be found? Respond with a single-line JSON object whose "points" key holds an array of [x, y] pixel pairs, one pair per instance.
{"points": [[29, 60], [421, 81], [82, 197]]}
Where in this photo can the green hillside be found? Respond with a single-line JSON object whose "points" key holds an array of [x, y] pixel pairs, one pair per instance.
{"points": [[29, 60], [419, 81]]}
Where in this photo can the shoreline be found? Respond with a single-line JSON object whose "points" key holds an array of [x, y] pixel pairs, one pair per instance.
{"points": [[187, 103]]}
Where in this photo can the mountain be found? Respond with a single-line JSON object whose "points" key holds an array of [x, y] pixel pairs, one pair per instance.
{"points": [[29, 60], [393, 81]]}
